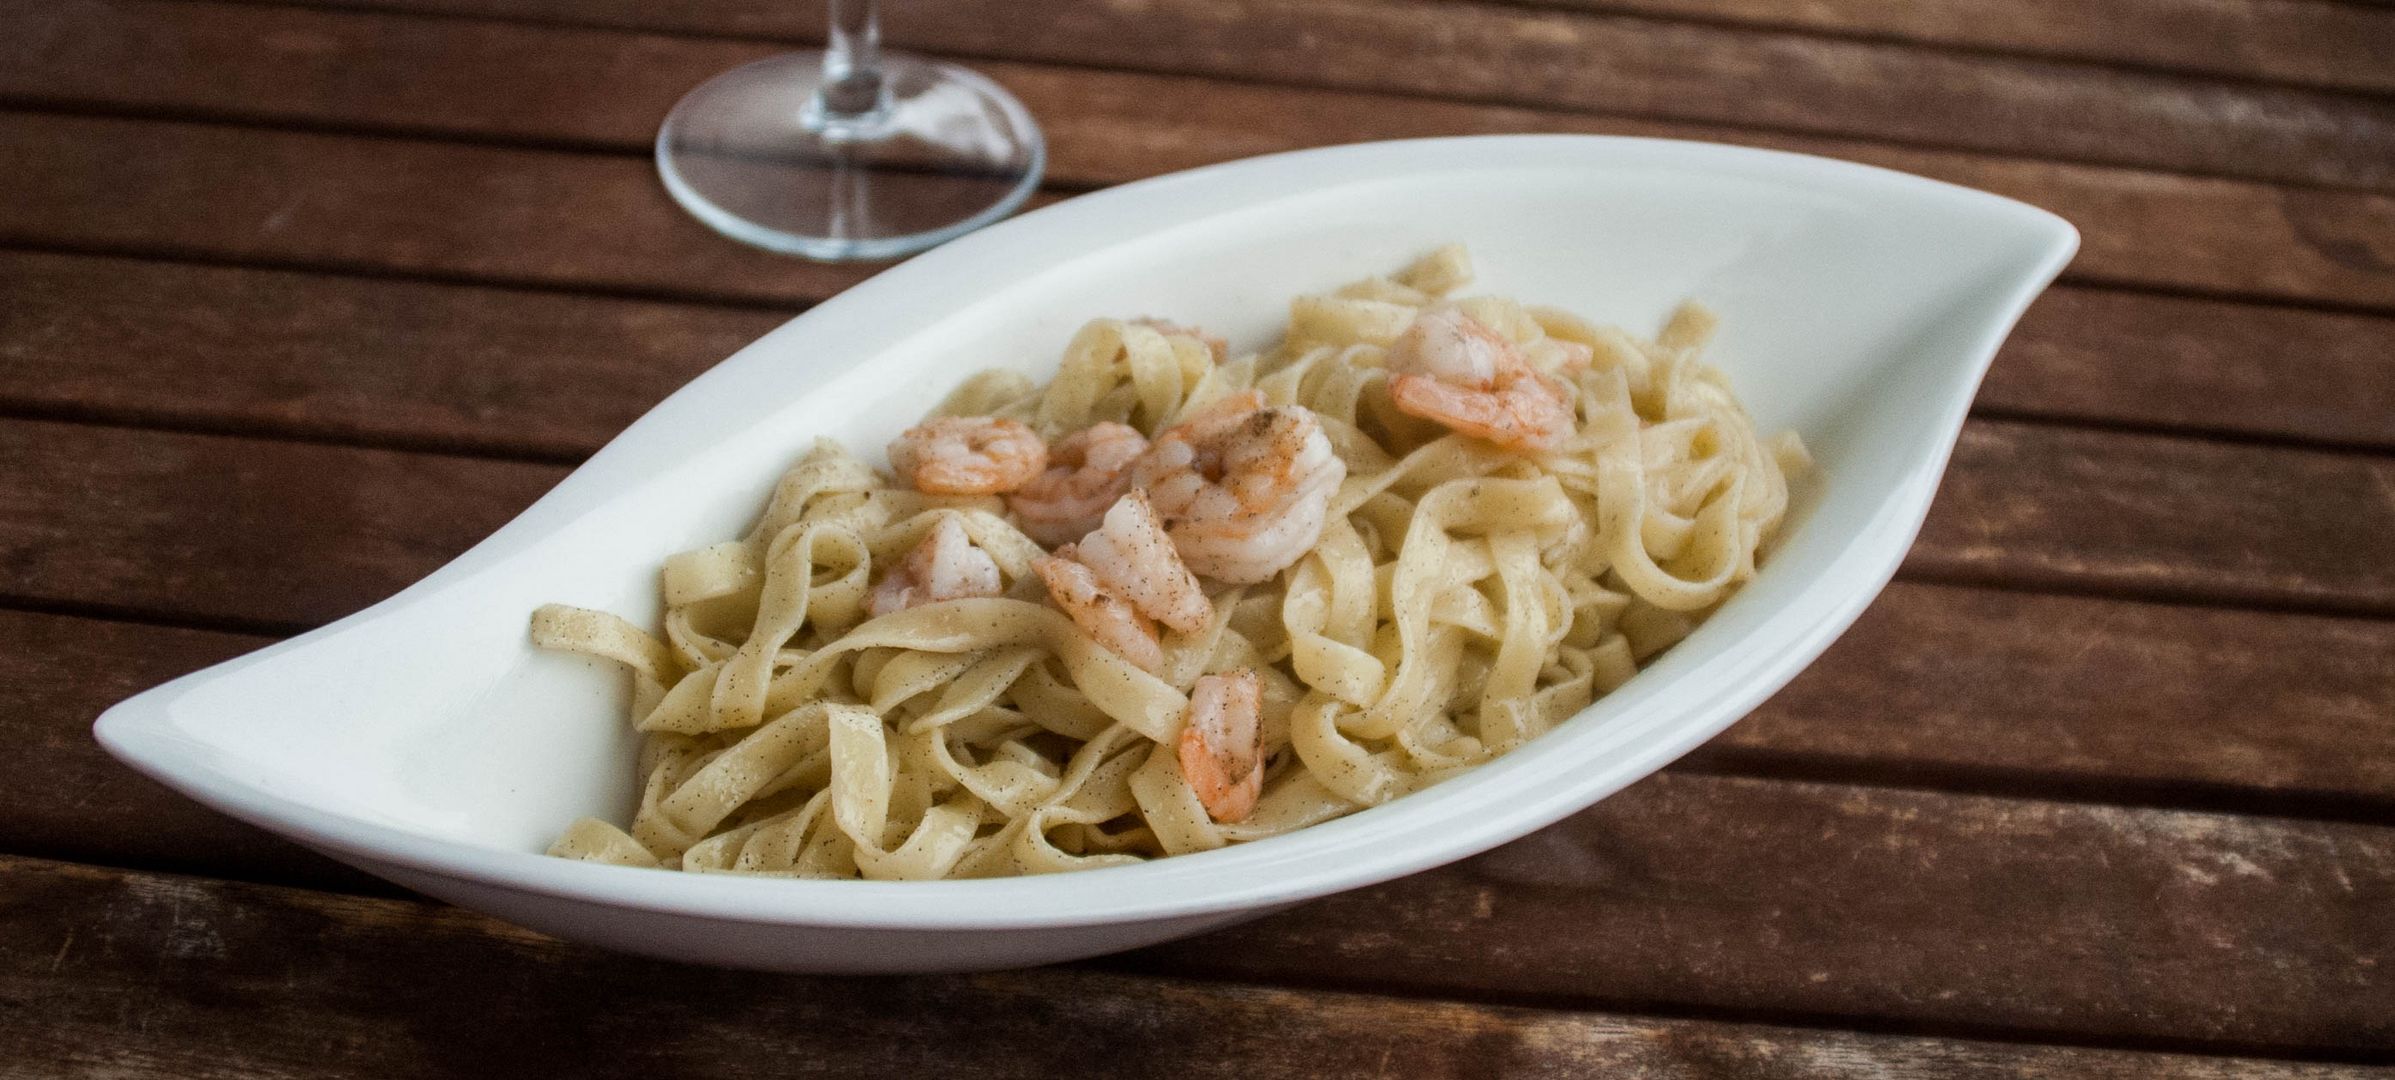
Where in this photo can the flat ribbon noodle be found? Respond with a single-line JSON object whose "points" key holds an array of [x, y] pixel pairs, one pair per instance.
{"points": [[1461, 600]]}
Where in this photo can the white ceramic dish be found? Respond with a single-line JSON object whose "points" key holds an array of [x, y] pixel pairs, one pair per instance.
{"points": [[425, 741]]}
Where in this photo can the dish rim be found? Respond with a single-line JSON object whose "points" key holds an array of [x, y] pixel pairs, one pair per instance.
{"points": [[1315, 861]]}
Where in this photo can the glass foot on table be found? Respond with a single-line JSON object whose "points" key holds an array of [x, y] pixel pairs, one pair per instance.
{"points": [[930, 152]]}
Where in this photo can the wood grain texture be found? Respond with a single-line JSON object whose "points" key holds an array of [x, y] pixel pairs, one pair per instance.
{"points": [[2302, 42], [1823, 899], [554, 376], [608, 90], [595, 223], [389, 362], [145, 975], [2190, 519], [1623, 66], [294, 535], [2166, 362], [1750, 897], [2101, 697], [67, 799]]}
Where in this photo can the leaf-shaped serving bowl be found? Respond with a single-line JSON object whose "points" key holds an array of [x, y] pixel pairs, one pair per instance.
{"points": [[426, 741]]}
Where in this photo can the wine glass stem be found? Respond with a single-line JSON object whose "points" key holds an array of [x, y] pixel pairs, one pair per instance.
{"points": [[853, 93]]}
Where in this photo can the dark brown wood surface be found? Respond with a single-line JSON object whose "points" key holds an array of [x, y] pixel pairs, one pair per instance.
{"points": [[2305, 42], [599, 90], [1674, 70], [232, 980], [299, 300], [410, 363]]}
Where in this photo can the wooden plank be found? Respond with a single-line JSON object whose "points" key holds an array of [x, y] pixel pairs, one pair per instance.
{"points": [[390, 362], [143, 975], [555, 376], [1831, 900], [2302, 42], [236, 530], [68, 799], [366, 69], [607, 89], [377, 205], [1938, 685], [1625, 66], [2073, 509], [2168, 362]]}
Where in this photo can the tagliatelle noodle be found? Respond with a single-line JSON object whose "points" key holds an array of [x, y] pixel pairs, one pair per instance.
{"points": [[1461, 600]]}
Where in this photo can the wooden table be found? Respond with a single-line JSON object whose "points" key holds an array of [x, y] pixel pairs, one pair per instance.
{"points": [[297, 301]]}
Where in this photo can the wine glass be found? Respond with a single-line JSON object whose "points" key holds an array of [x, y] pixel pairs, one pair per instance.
{"points": [[849, 152]]}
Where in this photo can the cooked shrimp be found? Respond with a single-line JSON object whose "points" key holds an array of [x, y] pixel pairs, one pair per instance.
{"points": [[1135, 560], [1122, 579], [945, 566], [1452, 368], [1108, 619], [1087, 472], [1221, 747], [968, 455], [1242, 489], [1215, 345]]}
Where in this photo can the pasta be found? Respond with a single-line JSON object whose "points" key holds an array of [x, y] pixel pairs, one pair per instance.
{"points": [[1459, 522]]}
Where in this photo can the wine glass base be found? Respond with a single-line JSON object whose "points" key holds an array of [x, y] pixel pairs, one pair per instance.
{"points": [[753, 154]]}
